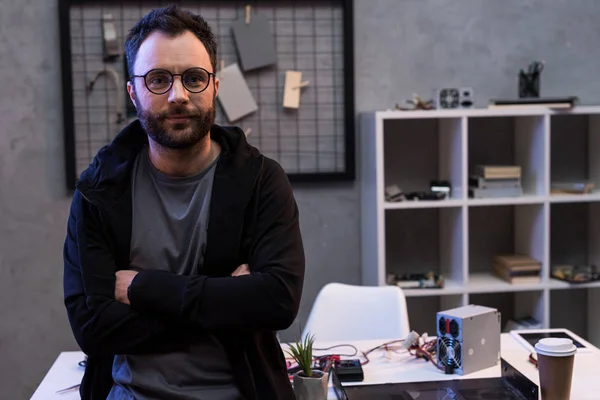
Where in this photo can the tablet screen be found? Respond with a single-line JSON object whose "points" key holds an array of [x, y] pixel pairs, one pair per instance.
{"points": [[533, 337]]}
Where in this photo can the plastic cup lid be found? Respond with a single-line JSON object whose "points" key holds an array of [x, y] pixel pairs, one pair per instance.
{"points": [[555, 347]]}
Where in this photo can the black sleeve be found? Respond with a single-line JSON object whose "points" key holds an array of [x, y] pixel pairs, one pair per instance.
{"points": [[267, 299], [101, 325]]}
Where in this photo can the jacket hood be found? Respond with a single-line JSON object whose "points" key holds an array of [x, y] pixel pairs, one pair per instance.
{"points": [[108, 175]]}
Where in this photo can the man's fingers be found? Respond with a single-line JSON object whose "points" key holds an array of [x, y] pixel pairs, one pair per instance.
{"points": [[243, 269]]}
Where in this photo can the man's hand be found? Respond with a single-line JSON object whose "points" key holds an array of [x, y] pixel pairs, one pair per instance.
{"points": [[243, 269], [124, 279]]}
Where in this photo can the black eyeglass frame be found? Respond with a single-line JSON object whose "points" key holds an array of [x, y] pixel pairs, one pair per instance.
{"points": [[173, 79]]}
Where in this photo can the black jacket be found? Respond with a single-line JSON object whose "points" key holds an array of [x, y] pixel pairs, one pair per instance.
{"points": [[253, 219]]}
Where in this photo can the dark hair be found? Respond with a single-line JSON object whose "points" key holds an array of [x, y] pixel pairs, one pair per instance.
{"points": [[172, 21]]}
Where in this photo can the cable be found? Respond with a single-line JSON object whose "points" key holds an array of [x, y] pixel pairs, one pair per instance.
{"points": [[119, 95], [339, 345], [533, 360], [419, 346]]}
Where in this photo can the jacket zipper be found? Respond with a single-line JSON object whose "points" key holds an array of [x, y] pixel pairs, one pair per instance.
{"points": [[251, 375], [85, 197]]}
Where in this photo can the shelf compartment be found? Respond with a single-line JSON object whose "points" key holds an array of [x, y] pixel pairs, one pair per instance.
{"points": [[575, 152], [422, 311], [426, 240], [511, 141], [417, 151], [574, 238], [573, 310], [505, 229], [513, 306]]}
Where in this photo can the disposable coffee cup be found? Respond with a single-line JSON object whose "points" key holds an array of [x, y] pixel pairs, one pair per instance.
{"points": [[555, 363]]}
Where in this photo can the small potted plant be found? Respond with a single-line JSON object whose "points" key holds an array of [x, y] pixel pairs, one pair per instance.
{"points": [[309, 383]]}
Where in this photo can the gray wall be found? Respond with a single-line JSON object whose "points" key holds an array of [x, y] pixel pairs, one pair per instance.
{"points": [[402, 46]]}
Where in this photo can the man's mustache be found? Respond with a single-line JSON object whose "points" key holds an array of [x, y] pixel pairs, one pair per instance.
{"points": [[179, 113]]}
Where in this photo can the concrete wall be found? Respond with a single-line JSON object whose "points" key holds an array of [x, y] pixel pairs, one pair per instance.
{"points": [[402, 46]]}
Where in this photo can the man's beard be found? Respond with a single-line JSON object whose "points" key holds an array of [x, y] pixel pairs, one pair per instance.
{"points": [[196, 128]]}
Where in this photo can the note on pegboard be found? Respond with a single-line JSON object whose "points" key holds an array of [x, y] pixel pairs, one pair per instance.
{"points": [[234, 95], [254, 42]]}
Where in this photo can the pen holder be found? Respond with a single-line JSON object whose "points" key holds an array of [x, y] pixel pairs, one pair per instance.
{"points": [[529, 85]]}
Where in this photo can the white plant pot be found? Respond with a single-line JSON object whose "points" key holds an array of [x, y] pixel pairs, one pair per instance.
{"points": [[313, 388]]}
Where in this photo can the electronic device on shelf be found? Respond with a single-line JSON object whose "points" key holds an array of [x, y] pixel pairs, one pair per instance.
{"points": [[416, 281], [453, 98], [529, 337], [576, 273], [441, 186], [468, 339], [425, 195], [393, 193], [510, 385]]}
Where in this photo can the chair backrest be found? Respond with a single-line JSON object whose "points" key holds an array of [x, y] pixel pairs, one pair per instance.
{"points": [[350, 312]]}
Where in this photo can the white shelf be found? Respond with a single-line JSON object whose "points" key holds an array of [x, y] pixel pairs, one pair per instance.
{"points": [[450, 288], [558, 285], [403, 205], [483, 282], [575, 198], [507, 201], [458, 237]]}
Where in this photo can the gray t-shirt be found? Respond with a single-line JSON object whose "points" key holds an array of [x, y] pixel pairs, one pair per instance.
{"points": [[170, 221]]}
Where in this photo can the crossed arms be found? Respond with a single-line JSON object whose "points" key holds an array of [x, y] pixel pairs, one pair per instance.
{"points": [[166, 309]]}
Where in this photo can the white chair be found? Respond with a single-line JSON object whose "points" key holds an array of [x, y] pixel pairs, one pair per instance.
{"points": [[344, 312]]}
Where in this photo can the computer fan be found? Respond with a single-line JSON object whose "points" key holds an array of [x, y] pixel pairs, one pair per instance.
{"points": [[449, 352]]}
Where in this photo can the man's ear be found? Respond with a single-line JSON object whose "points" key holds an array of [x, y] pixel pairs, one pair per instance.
{"points": [[217, 81], [131, 91]]}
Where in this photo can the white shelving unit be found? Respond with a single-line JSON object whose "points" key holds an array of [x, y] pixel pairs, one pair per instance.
{"points": [[459, 236]]}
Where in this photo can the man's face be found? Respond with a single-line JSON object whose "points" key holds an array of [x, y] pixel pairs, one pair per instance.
{"points": [[177, 119]]}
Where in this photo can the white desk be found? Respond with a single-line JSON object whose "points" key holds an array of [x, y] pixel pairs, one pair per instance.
{"points": [[66, 372], [405, 368]]}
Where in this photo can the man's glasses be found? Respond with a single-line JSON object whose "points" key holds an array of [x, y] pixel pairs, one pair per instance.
{"points": [[160, 81]]}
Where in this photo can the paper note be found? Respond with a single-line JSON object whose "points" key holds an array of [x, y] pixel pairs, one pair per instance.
{"points": [[292, 89], [254, 42], [234, 94]]}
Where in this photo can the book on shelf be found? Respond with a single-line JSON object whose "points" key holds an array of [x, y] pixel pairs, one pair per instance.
{"points": [[517, 276], [517, 268], [478, 182], [517, 261], [498, 171], [563, 102], [486, 193]]}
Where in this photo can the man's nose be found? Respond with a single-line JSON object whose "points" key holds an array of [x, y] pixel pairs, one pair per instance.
{"points": [[178, 94]]}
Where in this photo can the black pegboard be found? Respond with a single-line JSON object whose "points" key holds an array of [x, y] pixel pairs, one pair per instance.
{"points": [[313, 143]]}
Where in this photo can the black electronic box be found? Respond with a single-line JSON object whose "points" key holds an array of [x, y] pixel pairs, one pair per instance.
{"points": [[349, 370]]}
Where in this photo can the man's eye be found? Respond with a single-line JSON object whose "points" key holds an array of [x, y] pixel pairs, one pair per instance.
{"points": [[158, 80]]}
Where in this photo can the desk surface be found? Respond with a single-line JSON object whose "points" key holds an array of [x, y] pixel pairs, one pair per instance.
{"points": [[382, 368]]}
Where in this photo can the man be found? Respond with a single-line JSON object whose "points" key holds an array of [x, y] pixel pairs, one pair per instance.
{"points": [[183, 254]]}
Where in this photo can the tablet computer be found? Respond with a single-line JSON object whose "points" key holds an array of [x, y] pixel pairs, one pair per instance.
{"points": [[529, 337]]}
